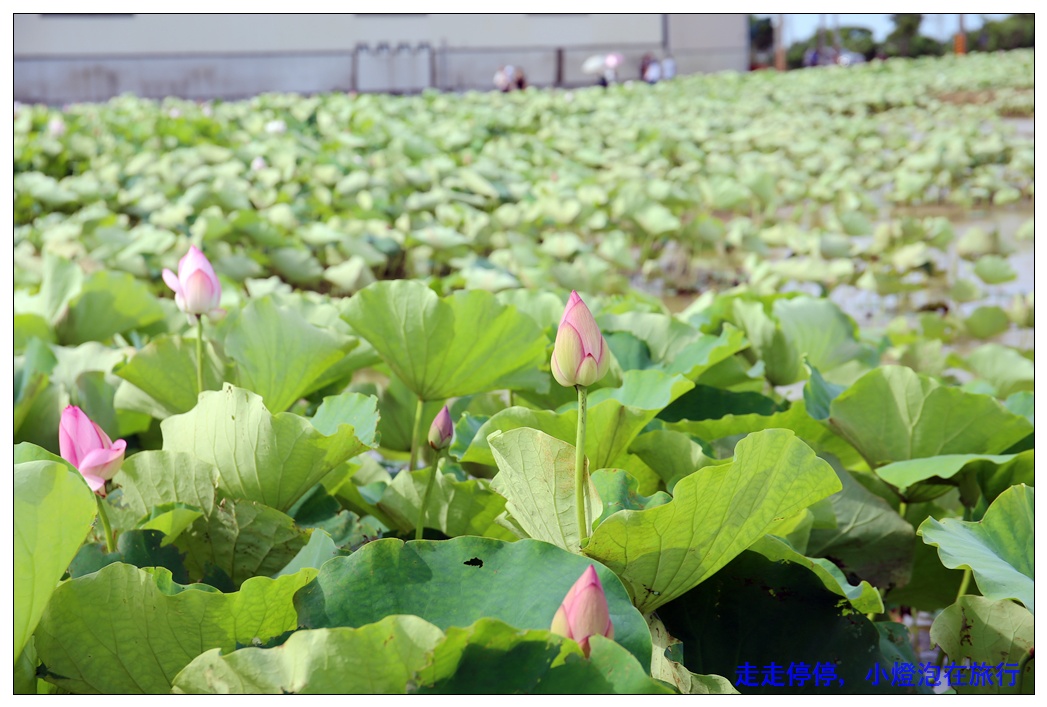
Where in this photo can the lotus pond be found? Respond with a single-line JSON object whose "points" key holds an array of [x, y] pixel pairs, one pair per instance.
{"points": [[701, 387]]}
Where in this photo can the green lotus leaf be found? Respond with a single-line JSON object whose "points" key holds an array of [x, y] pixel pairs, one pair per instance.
{"points": [[672, 455], [267, 341], [869, 539], [165, 369], [862, 596], [715, 514], [53, 512], [945, 466], [271, 459], [997, 633], [442, 348], [108, 303], [893, 414], [617, 490], [536, 476], [996, 549], [493, 657], [994, 269], [754, 611], [614, 417], [377, 659], [454, 508], [987, 322], [796, 418], [160, 627], [1004, 368], [671, 671], [456, 582]]}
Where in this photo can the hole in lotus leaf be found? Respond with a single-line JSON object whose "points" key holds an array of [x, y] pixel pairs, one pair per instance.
{"points": [[475, 562]]}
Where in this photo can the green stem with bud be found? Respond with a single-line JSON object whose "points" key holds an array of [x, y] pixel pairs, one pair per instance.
{"points": [[107, 530], [428, 492], [579, 467], [199, 354], [415, 433]]}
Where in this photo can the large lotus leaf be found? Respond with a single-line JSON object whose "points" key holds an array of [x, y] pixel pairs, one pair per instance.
{"points": [[782, 362], [442, 348], [994, 269], [870, 540], [862, 596], [455, 507], [615, 416], [165, 369], [715, 514], [268, 341], [53, 512], [617, 490], [153, 478], [492, 657], [997, 549], [271, 459], [237, 540], [892, 413], [912, 471], [1003, 367], [31, 378], [994, 633], [159, 628], [819, 330], [456, 582], [987, 322], [536, 475], [755, 613], [668, 670], [707, 402], [109, 303], [666, 337], [796, 418], [673, 455], [377, 659]]}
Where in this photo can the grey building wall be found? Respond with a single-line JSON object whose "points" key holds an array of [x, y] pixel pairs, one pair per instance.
{"points": [[65, 58]]}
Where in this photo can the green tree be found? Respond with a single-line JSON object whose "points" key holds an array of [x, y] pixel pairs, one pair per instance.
{"points": [[906, 30]]}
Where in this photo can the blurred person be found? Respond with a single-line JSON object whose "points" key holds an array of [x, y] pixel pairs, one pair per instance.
{"points": [[668, 67], [653, 73]]}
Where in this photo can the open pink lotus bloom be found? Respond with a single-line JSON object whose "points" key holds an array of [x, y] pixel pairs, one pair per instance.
{"points": [[441, 431], [196, 287], [584, 612], [84, 445], [580, 355]]}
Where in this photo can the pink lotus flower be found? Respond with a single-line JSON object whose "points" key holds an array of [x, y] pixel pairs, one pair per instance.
{"points": [[580, 355], [441, 431], [584, 612], [84, 445], [196, 287]]}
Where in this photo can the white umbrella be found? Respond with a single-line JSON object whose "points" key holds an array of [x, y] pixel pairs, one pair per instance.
{"points": [[594, 64]]}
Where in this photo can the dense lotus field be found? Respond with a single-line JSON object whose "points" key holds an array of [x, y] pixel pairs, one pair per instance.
{"points": [[704, 387]]}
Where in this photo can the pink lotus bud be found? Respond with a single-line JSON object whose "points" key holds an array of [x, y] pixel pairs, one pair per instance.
{"points": [[196, 287], [441, 431], [258, 163], [84, 445], [580, 355], [584, 612]]}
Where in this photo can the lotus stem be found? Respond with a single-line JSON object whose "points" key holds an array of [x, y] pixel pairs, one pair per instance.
{"points": [[963, 584], [428, 492], [199, 355], [579, 467], [107, 530], [415, 434]]}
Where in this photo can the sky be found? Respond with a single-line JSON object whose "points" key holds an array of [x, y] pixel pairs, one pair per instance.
{"points": [[941, 26]]}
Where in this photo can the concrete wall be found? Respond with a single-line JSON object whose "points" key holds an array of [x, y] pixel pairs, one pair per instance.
{"points": [[62, 58]]}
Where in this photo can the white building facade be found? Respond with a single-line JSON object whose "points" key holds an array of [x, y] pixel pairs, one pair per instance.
{"points": [[65, 58]]}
